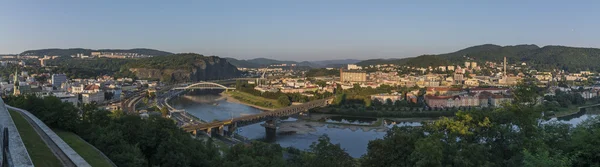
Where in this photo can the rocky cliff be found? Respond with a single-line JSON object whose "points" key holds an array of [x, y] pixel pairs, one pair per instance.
{"points": [[187, 67]]}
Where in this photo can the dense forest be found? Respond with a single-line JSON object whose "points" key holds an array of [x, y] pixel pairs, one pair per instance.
{"points": [[571, 59], [91, 67], [186, 61], [318, 72], [183, 67], [508, 136]]}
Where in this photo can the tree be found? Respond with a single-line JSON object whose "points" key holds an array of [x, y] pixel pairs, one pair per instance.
{"points": [[41, 78], [389, 102], [394, 149], [325, 154], [321, 83], [284, 100], [256, 154], [164, 111], [544, 159], [377, 102]]}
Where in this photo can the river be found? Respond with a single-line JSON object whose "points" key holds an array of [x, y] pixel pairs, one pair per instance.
{"points": [[351, 133]]}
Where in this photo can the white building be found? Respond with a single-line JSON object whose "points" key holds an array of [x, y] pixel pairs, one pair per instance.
{"points": [[67, 97], [450, 68], [354, 67], [88, 98], [77, 89]]}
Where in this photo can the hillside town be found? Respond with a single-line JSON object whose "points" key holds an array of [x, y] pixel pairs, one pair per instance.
{"points": [[468, 85], [465, 85]]}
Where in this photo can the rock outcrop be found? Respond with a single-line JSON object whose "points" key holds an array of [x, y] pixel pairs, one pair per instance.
{"points": [[184, 68]]}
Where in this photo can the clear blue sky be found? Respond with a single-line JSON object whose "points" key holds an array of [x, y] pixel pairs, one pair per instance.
{"points": [[296, 29]]}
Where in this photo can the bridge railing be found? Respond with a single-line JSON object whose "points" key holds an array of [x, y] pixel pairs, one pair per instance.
{"points": [[6, 159]]}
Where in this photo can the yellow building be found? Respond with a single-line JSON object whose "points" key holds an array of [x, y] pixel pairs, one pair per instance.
{"points": [[353, 76]]}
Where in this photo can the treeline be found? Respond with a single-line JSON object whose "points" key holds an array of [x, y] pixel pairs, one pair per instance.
{"points": [[186, 61], [243, 86], [91, 67], [564, 99], [320, 72], [362, 95], [357, 101]]}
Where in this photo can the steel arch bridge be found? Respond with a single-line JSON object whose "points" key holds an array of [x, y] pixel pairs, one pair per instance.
{"points": [[204, 85]]}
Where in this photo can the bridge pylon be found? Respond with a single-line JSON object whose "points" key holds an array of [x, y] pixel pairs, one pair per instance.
{"points": [[271, 129]]}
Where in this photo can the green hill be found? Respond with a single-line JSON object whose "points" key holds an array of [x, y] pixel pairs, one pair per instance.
{"points": [[565, 58], [183, 67], [487, 52], [426, 61], [74, 51], [562, 57]]}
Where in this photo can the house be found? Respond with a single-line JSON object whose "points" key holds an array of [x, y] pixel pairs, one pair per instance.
{"points": [[88, 98], [91, 88]]}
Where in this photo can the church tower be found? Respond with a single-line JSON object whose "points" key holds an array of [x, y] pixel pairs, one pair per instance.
{"points": [[16, 90]]}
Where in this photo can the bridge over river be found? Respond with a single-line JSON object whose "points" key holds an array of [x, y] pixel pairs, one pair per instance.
{"points": [[269, 117]]}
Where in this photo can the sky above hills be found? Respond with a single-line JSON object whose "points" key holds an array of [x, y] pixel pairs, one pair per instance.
{"points": [[296, 30]]}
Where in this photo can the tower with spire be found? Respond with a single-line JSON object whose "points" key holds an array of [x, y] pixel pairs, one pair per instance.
{"points": [[16, 90]]}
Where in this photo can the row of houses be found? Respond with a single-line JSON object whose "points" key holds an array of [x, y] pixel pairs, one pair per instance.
{"points": [[471, 99]]}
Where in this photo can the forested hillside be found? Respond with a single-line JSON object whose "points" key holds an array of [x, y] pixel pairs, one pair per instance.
{"points": [[549, 57], [183, 67]]}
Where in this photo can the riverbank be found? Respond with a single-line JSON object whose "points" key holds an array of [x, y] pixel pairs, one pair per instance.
{"points": [[306, 126], [572, 110], [388, 114], [227, 96]]}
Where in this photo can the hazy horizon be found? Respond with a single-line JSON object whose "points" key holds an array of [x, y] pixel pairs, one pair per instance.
{"points": [[298, 31]]}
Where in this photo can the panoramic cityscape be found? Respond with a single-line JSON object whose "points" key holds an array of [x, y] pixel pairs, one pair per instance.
{"points": [[299, 83]]}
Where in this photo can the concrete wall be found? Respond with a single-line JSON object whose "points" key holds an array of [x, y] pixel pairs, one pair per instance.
{"points": [[19, 154], [62, 145]]}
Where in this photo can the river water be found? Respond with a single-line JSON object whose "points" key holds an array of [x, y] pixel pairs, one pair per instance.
{"points": [[352, 135]]}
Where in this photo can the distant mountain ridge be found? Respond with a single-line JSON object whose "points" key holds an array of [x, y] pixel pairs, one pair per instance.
{"points": [[547, 57], [74, 51], [263, 62]]}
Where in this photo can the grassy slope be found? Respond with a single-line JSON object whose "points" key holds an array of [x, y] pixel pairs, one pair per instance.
{"points": [[38, 150], [254, 100], [86, 151]]}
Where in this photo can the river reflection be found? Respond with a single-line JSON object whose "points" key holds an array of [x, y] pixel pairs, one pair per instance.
{"points": [[353, 138], [211, 107], [351, 120]]}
